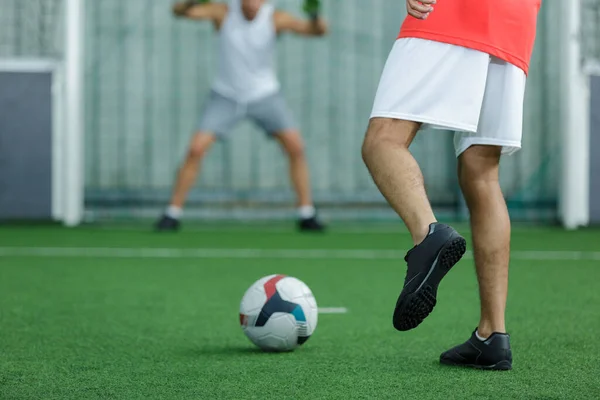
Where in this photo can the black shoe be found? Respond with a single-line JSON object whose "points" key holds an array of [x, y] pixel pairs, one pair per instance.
{"points": [[493, 353], [311, 224], [166, 223], [427, 263]]}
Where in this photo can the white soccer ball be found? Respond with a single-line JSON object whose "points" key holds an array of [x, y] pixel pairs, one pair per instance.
{"points": [[278, 313]]}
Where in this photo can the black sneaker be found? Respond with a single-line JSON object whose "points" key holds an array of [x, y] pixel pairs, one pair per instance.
{"points": [[311, 224], [427, 263], [166, 223], [493, 353]]}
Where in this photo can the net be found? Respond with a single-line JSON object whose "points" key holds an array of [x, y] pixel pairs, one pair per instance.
{"points": [[31, 29], [590, 35], [147, 75]]}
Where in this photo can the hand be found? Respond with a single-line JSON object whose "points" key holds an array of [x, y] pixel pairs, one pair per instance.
{"points": [[318, 26], [180, 9], [420, 8]]}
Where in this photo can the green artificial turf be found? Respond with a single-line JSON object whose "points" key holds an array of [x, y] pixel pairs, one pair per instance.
{"points": [[159, 322]]}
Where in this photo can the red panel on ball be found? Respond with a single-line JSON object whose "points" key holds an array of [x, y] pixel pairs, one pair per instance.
{"points": [[270, 285]]}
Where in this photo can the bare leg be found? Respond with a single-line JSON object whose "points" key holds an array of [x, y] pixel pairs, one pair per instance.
{"points": [[292, 144], [490, 225], [397, 174], [188, 172]]}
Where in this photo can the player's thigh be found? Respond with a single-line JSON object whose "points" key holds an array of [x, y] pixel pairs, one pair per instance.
{"points": [[501, 119], [437, 84], [272, 114], [220, 115]]}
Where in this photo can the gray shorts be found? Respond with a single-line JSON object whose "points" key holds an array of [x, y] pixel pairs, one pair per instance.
{"points": [[220, 114]]}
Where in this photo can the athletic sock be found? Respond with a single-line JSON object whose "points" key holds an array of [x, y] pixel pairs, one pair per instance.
{"points": [[174, 212], [479, 337], [306, 212]]}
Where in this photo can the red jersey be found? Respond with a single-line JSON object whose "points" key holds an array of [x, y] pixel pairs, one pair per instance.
{"points": [[501, 28]]}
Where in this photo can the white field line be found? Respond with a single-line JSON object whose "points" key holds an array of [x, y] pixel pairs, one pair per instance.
{"points": [[333, 310], [344, 230], [323, 254]]}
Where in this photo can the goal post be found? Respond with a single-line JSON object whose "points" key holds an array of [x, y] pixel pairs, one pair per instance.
{"points": [[575, 98], [73, 163], [42, 110]]}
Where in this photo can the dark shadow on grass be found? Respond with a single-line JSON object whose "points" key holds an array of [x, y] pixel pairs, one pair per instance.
{"points": [[457, 369], [237, 351]]}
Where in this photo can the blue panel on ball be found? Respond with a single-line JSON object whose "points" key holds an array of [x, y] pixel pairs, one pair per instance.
{"points": [[273, 305], [299, 314]]}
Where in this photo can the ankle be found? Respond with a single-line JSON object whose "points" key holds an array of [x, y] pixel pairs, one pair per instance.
{"points": [[174, 212], [306, 211], [484, 331], [420, 235]]}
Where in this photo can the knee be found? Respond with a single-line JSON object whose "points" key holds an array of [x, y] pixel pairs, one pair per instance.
{"points": [[367, 148], [467, 171], [199, 145], [293, 145], [479, 166], [296, 150], [372, 139], [379, 135], [195, 152]]}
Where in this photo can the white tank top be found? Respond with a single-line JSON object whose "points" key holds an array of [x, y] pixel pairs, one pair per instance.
{"points": [[246, 59]]}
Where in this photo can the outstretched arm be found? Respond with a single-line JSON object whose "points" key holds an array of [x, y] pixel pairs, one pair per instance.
{"points": [[214, 12], [285, 22]]}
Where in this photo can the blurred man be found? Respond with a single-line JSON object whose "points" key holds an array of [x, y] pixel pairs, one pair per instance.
{"points": [[459, 65], [246, 86]]}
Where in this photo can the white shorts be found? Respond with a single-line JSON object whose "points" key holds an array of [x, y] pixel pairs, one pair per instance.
{"points": [[478, 96]]}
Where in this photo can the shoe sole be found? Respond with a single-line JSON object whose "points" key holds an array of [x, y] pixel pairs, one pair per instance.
{"points": [[415, 307], [503, 365]]}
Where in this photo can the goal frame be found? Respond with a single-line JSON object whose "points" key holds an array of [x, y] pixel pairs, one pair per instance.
{"points": [[574, 192], [67, 128], [73, 159]]}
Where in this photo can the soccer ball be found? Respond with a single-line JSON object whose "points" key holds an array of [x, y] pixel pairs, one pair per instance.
{"points": [[278, 313]]}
